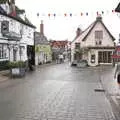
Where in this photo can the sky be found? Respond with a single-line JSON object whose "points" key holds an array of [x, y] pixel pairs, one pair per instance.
{"points": [[61, 27]]}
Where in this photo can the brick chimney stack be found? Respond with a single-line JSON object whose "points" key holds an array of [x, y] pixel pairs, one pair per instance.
{"points": [[12, 8], [42, 27]]}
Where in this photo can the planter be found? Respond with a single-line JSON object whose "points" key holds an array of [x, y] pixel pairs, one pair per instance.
{"points": [[82, 63], [18, 72], [17, 68]]}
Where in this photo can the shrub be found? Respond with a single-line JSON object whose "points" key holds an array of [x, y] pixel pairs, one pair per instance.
{"points": [[16, 64]]}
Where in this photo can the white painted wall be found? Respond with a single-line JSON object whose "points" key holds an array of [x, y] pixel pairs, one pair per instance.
{"points": [[91, 41], [27, 37]]}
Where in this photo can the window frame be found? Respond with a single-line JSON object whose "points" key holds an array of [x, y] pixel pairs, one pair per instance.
{"points": [[99, 34], [77, 45], [3, 51]]}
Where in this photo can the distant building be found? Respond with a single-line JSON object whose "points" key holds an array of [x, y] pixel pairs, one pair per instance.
{"points": [[95, 45], [43, 53], [59, 47]]}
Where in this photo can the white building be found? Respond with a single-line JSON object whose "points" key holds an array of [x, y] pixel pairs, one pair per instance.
{"points": [[16, 37], [95, 44]]}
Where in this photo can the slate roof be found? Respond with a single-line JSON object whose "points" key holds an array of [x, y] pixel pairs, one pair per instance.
{"points": [[2, 10], [41, 39], [17, 17], [87, 31]]}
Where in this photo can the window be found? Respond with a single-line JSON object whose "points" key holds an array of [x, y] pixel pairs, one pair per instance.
{"points": [[98, 34], [98, 42], [3, 51], [77, 45], [4, 27], [14, 55]]}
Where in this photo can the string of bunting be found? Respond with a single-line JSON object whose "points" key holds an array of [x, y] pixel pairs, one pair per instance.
{"points": [[80, 14]]}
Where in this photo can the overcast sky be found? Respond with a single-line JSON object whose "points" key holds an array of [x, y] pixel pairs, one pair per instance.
{"points": [[60, 27]]}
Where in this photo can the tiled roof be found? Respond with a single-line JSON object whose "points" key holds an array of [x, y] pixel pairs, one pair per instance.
{"points": [[84, 33], [87, 31], [59, 43], [17, 17], [118, 8], [40, 39]]}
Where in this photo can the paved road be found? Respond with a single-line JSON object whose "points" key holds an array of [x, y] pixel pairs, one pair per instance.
{"points": [[55, 92]]}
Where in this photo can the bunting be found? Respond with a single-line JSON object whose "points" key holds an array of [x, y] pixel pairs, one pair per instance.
{"points": [[78, 14]]}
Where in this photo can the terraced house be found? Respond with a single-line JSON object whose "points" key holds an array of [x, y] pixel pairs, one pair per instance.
{"points": [[16, 34]]}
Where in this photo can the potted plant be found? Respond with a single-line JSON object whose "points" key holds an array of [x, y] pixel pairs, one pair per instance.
{"points": [[17, 68]]}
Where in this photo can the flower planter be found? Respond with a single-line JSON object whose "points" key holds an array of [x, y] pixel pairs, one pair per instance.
{"points": [[17, 68], [17, 72]]}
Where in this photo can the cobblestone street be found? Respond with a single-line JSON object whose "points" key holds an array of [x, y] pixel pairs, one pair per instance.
{"points": [[56, 92]]}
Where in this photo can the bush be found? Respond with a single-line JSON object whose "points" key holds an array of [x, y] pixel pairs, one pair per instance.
{"points": [[16, 64]]}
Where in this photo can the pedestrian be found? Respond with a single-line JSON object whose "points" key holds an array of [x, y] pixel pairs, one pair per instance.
{"points": [[57, 59], [61, 58], [117, 75]]}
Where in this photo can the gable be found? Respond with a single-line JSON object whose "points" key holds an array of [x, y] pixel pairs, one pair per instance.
{"points": [[107, 39]]}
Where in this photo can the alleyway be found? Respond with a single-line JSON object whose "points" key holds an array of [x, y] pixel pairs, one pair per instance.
{"points": [[55, 92]]}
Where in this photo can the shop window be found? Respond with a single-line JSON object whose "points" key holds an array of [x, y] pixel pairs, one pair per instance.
{"points": [[3, 51]]}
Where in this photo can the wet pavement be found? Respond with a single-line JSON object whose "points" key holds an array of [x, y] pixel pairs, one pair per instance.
{"points": [[56, 92]]}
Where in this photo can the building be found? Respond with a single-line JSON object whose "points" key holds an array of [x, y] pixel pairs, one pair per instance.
{"points": [[59, 47], [16, 34], [43, 53], [95, 44], [116, 53], [118, 8]]}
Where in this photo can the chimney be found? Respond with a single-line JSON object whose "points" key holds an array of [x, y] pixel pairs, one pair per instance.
{"points": [[99, 18], [42, 27], [78, 32], [12, 8]]}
